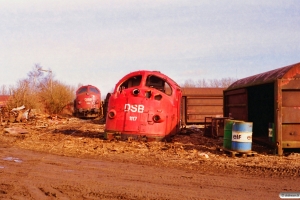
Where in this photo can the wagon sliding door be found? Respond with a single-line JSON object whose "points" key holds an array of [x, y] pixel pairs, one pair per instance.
{"points": [[288, 114]]}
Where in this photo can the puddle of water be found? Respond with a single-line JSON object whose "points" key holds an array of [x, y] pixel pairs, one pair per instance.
{"points": [[13, 159]]}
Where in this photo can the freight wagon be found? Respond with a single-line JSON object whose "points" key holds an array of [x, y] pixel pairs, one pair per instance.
{"points": [[271, 101], [200, 103]]}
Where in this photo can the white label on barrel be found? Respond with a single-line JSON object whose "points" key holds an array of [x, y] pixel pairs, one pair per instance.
{"points": [[241, 136], [270, 132]]}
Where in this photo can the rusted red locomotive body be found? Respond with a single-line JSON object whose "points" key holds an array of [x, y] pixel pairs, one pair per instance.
{"points": [[144, 105], [87, 103]]}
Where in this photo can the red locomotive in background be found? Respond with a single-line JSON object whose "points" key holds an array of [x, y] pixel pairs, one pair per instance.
{"points": [[87, 103], [143, 105]]}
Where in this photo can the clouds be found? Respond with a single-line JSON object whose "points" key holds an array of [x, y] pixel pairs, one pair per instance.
{"points": [[184, 39]]}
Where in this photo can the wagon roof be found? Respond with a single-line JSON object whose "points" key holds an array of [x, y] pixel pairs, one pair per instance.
{"points": [[267, 77], [202, 91]]}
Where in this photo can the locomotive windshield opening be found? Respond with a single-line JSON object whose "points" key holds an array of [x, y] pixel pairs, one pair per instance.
{"points": [[131, 82], [94, 90], [82, 90], [159, 84]]}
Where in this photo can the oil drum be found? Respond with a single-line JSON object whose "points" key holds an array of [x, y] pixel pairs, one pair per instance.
{"points": [[241, 136], [227, 134]]}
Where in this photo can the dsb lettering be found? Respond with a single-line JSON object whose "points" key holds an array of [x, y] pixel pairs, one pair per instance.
{"points": [[134, 108]]}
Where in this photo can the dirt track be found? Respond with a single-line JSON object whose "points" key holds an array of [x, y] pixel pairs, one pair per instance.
{"points": [[70, 160]]}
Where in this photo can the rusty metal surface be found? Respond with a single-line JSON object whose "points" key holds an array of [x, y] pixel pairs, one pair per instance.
{"points": [[199, 103], [262, 78], [291, 132], [236, 104], [290, 112], [272, 96], [209, 92]]}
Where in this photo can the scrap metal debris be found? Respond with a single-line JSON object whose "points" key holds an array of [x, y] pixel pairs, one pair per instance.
{"points": [[15, 130]]}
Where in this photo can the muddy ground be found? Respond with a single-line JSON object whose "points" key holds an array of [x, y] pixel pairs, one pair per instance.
{"points": [[69, 159]]}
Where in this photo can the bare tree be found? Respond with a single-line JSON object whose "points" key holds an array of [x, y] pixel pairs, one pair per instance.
{"points": [[223, 83], [4, 90], [35, 76], [57, 99], [189, 84], [202, 83], [226, 82], [215, 83], [40, 91], [20, 94]]}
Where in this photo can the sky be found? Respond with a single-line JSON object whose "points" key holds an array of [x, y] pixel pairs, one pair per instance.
{"points": [[98, 42]]}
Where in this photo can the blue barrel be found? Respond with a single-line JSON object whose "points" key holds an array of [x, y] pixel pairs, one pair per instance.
{"points": [[241, 136]]}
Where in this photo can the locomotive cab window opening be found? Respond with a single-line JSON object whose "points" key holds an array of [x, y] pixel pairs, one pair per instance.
{"points": [[159, 84], [131, 82], [82, 90], [94, 90], [168, 89]]}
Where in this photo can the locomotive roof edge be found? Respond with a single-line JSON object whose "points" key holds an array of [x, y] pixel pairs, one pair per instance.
{"points": [[87, 85], [147, 72]]}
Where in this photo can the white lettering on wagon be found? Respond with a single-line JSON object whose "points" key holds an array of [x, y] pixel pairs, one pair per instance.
{"points": [[134, 108]]}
